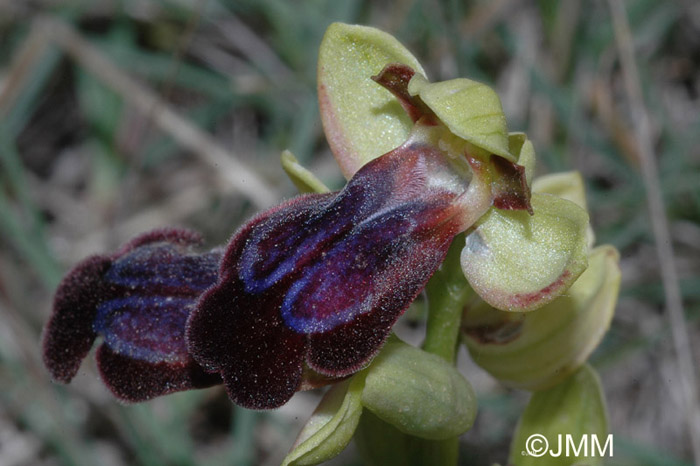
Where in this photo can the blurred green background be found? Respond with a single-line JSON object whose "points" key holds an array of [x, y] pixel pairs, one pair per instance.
{"points": [[83, 168]]}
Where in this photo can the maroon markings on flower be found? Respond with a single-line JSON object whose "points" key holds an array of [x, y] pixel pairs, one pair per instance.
{"points": [[178, 236], [523, 300], [240, 334], [243, 337], [138, 300], [510, 189], [347, 348], [360, 270], [395, 78], [322, 278], [68, 335], [134, 380]]}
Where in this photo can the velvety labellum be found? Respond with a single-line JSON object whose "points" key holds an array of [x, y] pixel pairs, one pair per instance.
{"points": [[323, 277], [149, 328], [351, 269], [138, 300]]}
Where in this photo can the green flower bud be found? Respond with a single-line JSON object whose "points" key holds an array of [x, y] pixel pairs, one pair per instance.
{"points": [[538, 349], [419, 393], [331, 426], [381, 444], [567, 185], [574, 408]]}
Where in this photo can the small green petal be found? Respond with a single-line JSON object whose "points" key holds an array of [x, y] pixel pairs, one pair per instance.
{"points": [[362, 120], [537, 350], [575, 407], [331, 426], [418, 393], [521, 147], [519, 262], [303, 179], [471, 110]]}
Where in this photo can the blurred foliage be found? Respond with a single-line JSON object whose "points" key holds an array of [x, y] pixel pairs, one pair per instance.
{"points": [[82, 170]]}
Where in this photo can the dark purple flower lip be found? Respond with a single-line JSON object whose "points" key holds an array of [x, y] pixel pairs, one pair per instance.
{"points": [[138, 299], [320, 280], [305, 293]]}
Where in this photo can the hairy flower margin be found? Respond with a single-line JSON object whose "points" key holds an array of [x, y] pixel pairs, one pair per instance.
{"points": [[306, 293]]}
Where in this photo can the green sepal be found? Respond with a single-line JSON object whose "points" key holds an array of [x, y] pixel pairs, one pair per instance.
{"points": [[303, 179], [381, 444], [519, 262], [539, 349], [331, 426], [362, 120], [575, 407], [567, 185], [471, 110], [418, 393]]}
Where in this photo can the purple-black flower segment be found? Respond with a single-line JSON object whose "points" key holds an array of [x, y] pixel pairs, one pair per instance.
{"points": [[322, 278], [138, 300]]}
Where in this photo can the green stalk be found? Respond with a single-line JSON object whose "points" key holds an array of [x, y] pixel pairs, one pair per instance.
{"points": [[448, 292]]}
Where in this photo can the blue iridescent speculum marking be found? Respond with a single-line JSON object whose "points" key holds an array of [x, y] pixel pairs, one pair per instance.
{"points": [[371, 248], [148, 328], [314, 283], [361, 256], [138, 300], [147, 322]]}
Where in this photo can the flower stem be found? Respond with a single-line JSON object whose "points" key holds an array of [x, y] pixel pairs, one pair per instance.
{"points": [[448, 292]]}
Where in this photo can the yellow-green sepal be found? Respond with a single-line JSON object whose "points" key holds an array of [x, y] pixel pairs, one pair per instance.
{"points": [[331, 426], [470, 110], [537, 350], [419, 393], [567, 185], [362, 119], [576, 407], [519, 262], [303, 179]]}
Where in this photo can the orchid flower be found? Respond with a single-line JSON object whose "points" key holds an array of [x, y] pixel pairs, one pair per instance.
{"points": [[138, 299], [307, 293], [321, 279]]}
